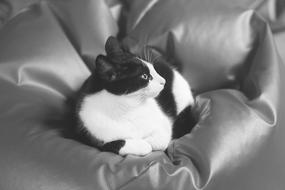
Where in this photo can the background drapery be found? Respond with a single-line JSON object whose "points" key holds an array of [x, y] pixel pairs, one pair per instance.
{"points": [[228, 54]]}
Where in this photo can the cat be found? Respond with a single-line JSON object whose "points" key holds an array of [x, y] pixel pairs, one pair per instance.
{"points": [[130, 106]]}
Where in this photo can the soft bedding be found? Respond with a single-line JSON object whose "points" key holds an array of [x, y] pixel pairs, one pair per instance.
{"points": [[228, 56]]}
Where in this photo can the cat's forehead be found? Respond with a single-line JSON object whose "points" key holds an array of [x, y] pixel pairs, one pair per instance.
{"points": [[131, 68], [128, 64], [131, 61], [148, 65]]}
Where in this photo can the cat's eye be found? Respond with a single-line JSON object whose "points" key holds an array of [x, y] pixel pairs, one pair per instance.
{"points": [[144, 76]]}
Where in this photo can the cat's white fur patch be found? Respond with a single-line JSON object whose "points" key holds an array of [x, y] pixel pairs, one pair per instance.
{"points": [[182, 92], [136, 146]]}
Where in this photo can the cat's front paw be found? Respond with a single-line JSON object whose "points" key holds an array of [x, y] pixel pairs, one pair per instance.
{"points": [[137, 147], [158, 142]]}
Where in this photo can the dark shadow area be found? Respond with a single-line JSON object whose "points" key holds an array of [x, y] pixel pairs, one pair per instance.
{"points": [[6, 10]]}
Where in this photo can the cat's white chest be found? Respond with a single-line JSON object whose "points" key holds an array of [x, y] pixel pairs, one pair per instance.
{"points": [[149, 119], [108, 118]]}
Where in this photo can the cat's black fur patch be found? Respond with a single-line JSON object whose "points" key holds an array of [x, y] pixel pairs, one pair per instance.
{"points": [[113, 146], [129, 79], [119, 71], [184, 123]]}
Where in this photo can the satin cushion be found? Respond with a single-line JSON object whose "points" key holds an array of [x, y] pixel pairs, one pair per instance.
{"points": [[228, 56]]}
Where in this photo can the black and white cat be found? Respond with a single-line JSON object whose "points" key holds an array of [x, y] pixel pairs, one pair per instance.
{"points": [[129, 106]]}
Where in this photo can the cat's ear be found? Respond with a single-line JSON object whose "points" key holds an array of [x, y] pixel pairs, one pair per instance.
{"points": [[104, 69], [113, 47]]}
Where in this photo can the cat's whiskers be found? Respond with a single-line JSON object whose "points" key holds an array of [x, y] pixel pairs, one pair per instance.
{"points": [[149, 55], [144, 54], [156, 58]]}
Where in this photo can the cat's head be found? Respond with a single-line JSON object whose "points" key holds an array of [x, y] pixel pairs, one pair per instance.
{"points": [[123, 73]]}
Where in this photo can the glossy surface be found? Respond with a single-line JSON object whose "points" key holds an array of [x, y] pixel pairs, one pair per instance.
{"points": [[228, 56]]}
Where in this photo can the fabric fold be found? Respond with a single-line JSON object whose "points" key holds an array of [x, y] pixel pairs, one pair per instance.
{"points": [[227, 54]]}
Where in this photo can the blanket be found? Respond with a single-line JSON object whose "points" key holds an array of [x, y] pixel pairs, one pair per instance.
{"points": [[228, 56]]}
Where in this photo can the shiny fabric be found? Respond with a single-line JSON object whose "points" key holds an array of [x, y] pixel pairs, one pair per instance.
{"points": [[228, 56]]}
